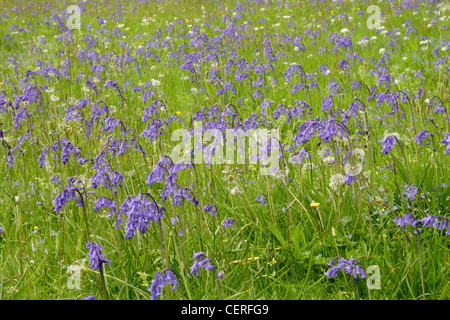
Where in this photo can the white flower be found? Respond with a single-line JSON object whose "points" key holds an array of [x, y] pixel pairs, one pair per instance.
{"points": [[382, 50], [336, 180], [194, 91], [49, 89], [155, 83], [344, 31], [353, 170], [54, 98], [358, 153], [373, 38], [328, 160], [308, 166], [235, 190]]}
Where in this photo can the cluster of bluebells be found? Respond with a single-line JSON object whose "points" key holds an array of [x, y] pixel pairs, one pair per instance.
{"points": [[165, 170], [350, 266], [201, 260], [140, 211], [162, 279], [388, 144], [227, 223], [105, 202], [433, 221], [68, 194], [211, 209], [411, 192], [96, 260], [260, 198], [446, 142]]}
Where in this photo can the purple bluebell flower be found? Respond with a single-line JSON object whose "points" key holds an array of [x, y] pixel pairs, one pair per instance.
{"points": [[201, 260], [433, 221], [162, 279], [211, 209], [404, 220], [227, 223], [91, 297], [140, 212], [411, 192], [351, 266], [446, 141], [388, 144], [96, 260], [421, 137], [260, 198]]}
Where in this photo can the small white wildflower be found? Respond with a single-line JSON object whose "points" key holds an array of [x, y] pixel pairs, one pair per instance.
{"points": [[155, 83], [353, 170], [336, 180], [358, 153], [328, 160]]}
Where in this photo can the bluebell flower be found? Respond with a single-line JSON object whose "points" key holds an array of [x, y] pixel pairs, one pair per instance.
{"points": [[227, 223], [162, 279], [211, 209], [351, 266], [412, 192], [96, 260], [260, 198]]}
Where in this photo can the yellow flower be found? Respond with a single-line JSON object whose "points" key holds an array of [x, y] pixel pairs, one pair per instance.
{"points": [[36, 227], [178, 113], [314, 204]]}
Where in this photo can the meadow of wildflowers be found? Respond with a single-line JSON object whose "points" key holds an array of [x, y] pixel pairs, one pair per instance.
{"points": [[224, 149]]}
